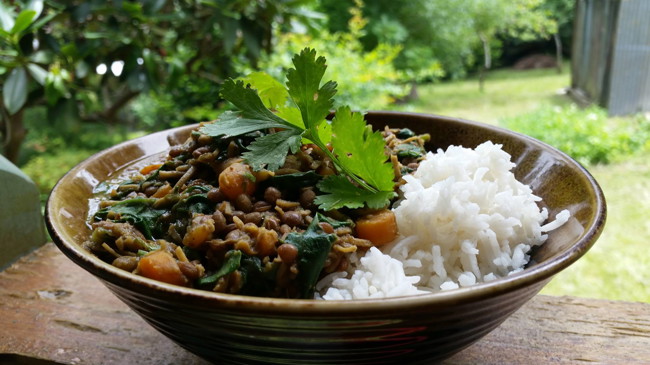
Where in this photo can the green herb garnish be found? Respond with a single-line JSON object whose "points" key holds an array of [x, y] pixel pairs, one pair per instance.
{"points": [[365, 176]]}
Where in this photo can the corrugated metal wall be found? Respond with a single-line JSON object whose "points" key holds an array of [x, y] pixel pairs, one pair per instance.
{"points": [[611, 54]]}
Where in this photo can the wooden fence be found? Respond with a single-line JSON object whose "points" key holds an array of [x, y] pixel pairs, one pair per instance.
{"points": [[611, 54]]}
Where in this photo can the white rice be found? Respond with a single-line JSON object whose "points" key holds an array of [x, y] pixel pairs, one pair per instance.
{"points": [[464, 219]]}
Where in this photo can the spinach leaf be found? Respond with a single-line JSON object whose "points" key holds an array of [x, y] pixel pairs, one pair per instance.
{"points": [[313, 248], [258, 281], [295, 181], [201, 188], [232, 263], [405, 133], [139, 212], [197, 203], [409, 150], [333, 222]]}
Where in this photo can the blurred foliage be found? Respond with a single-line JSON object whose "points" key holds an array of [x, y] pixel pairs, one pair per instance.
{"points": [[588, 135], [47, 140], [450, 34], [85, 60], [366, 79], [49, 153]]}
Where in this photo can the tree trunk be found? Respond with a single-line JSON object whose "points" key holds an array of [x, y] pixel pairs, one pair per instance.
{"points": [[487, 61], [413, 92], [558, 52], [16, 133]]}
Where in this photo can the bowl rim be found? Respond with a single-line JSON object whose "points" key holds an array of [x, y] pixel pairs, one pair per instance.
{"points": [[280, 306]]}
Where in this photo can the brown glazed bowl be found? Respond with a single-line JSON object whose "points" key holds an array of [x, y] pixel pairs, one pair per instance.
{"points": [[226, 328]]}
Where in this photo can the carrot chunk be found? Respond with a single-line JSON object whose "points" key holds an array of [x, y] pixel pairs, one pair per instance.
{"points": [[147, 169], [162, 191], [235, 180], [379, 228], [161, 266]]}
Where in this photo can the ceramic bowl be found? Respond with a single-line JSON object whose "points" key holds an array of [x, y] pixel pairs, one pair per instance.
{"points": [[227, 328]]}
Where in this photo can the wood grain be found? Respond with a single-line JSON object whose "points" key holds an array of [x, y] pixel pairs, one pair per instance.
{"points": [[53, 311]]}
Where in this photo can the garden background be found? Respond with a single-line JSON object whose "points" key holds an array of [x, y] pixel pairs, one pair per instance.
{"points": [[80, 76]]}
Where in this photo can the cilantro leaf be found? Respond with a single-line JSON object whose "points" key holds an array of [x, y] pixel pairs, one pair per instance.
{"points": [[231, 124], [303, 83], [271, 91], [292, 115], [360, 150], [248, 101], [343, 193], [271, 150]]}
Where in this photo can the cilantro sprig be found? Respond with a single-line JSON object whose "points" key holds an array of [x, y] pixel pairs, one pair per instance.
{"points": [[365, 177]]}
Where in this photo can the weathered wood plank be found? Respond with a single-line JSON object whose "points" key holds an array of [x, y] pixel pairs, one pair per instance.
{"points": [[52, 310]]}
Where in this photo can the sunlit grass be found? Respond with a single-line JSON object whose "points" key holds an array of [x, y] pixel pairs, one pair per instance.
{"points": [[618, 266], [506, 93]]}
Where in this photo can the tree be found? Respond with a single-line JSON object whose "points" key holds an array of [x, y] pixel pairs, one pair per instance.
{"points": [[561, 11], [86, 60], [442, 35], [523, 19]]}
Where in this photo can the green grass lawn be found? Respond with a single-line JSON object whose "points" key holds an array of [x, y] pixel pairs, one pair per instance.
{"points": [[618, 266], [506, 93]]}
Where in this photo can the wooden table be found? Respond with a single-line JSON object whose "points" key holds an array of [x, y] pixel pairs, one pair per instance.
{"points": [[52, 311]]}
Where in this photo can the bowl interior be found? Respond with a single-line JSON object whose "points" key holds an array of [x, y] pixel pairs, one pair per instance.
{"points": [[557, 179]]}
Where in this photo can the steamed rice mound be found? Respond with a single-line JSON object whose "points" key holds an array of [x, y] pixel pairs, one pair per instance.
{"points": [[464, 219]]}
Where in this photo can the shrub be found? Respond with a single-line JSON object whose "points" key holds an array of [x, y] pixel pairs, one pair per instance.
{"points": [[366, 79], [46, 170], [588, 135]]}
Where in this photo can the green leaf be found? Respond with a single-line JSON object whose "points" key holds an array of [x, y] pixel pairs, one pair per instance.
{"points": [[259, 279], [271, 150], [196, 203], [38, 73], [230, 124], [232, 263], [248, 101], [55, 88], [409, 150], [360, 150], [14, 91], [23, 20], [292, 115], [139, 212], [6, 19], [272, 93], [313, 248], [96, 35], [37, 6], [343, 193], [333, 222], [38, 24], [296, 180], [303, 82]]}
